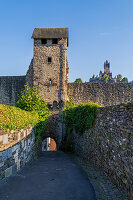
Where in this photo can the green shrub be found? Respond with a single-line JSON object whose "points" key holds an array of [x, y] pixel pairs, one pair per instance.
{"points": [[123, 107], [31, 100], [78, 80], [105, 77], [14, 118], [80, 117]]}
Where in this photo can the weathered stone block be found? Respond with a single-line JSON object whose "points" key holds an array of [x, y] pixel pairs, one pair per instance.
{"points": [[8, 172], [18, 165], [1, 164], [9, 152], [5, 138], [14, 169], [22, 143], [19, 134], [4, 155], [1, 138]]}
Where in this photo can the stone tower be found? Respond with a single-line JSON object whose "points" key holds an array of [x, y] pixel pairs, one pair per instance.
{"points": [[107, 67], [49, 67]]}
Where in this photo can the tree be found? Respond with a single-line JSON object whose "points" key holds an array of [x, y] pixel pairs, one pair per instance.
{"points": [[30, 100], [78, 80], [105, 77], [125, 80], [119, 77]]}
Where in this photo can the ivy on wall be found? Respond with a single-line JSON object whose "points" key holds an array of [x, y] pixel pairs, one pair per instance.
{"points": [[80, 117]]}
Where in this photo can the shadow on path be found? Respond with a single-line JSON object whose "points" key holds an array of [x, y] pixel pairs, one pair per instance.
{"points": [[54, 176]]}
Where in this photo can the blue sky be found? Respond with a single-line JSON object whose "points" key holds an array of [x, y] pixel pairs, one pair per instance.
{"points": [[98, 30]]}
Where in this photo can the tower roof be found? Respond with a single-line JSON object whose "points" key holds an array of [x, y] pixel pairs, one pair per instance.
{"points": [[50, 33], [106, 62]]}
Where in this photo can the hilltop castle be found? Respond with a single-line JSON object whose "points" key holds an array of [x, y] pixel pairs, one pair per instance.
{"points": [[49, 69], [100, 78]]}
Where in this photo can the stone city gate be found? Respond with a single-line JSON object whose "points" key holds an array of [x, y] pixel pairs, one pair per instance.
{"points": [[55, 128]]}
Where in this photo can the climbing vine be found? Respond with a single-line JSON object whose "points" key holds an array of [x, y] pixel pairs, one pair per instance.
{"points": [[80, 117]]}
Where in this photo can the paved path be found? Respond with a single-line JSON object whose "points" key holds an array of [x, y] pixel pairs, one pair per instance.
{"points": [[104, 188], [54, 176]]}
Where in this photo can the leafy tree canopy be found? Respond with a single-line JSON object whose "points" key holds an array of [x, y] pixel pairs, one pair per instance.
{"points": [[119, 77], [78, 80], [106, 77], [30, 100], [125, 80]]}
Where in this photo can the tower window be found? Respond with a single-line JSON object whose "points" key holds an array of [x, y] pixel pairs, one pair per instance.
{"points": [[55, 41], [44, 41], [50, 82], [49, 59]]}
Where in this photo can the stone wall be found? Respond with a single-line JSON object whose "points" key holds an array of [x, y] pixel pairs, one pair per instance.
{"points": [[10, 87], [109, 145], [104, 94], [29, 75], [16, 149]]}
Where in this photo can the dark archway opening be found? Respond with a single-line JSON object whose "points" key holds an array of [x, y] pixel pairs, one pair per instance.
{"points": [[55, 105], [49, 144]]}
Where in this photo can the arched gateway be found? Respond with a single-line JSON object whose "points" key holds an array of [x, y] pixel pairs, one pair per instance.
{"points": [[55, 128]]}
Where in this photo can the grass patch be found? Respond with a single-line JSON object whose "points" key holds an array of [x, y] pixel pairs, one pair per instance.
{"points": [[14, 118]]}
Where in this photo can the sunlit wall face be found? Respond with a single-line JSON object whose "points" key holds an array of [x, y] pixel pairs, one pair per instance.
{"points": [[49, 144]]}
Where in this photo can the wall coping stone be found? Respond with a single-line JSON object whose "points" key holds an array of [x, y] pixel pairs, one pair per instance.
{"points": [[7, 143]]}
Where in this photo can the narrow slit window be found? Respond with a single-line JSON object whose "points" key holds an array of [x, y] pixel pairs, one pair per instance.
{"points": [[55, 41], [49, 59], [44, 41], [50, 82]]}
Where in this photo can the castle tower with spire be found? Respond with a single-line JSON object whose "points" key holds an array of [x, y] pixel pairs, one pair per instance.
{"points": [[106, 67], [100, 78]]}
